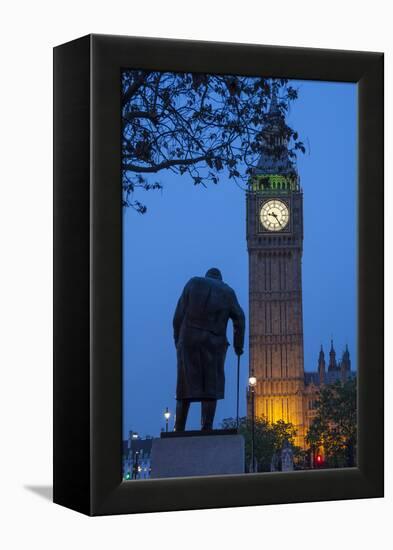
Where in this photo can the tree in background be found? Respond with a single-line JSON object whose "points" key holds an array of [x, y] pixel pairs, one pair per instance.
{"points": [[334, 428], [205, 126], [269, 438]]}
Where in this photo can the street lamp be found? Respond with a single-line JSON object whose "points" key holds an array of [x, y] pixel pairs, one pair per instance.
{"points": [[167, 415], [252, 382]]}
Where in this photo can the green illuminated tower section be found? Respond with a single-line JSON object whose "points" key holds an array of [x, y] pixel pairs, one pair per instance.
{"points": [[275, 246]]}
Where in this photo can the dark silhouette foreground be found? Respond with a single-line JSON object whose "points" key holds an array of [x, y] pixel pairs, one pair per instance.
{"points": [[200, 325]]}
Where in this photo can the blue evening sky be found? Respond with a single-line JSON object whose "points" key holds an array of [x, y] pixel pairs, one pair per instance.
{"points": [[189, 229]]}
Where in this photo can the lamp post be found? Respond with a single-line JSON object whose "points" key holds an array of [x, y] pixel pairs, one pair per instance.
{"points": [[252, 382], [135, 469], [167, 415]]}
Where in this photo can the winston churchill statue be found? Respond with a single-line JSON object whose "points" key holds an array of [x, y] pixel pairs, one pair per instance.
{"points": [[200, 325]]}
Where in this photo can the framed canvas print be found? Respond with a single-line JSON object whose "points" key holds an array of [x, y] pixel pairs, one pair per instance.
{"points": [[218, 275]]}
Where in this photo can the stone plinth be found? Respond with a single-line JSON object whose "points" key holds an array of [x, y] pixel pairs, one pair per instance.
{"points": [[195, 454]]}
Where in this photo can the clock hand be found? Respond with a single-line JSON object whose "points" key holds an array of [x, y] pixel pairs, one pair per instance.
{"points": [[275, 216]]}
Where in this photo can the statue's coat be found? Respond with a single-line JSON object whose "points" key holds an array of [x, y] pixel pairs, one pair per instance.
{"points": [[200, 324]]}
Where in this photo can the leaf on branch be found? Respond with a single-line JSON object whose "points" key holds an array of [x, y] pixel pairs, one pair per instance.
{"points": [[218, 164]]}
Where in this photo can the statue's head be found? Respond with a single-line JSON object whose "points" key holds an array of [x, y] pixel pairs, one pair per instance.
{"points": [[214, 273]]}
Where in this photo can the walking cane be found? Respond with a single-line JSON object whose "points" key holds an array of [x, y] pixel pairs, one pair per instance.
{"points": [[237, 398]]}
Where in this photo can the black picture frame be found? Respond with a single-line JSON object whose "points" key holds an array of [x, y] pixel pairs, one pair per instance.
{"points": [[88, 275]]}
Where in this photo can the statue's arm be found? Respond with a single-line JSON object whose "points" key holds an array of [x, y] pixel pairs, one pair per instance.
{"points": [[179, 315], [239, 324]]}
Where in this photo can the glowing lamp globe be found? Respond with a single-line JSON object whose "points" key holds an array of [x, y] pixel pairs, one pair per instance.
{"points": [[252, 381]]}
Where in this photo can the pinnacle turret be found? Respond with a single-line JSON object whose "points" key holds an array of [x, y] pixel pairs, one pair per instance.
{"points": [[345, 364], [332, 357], [274, 109], [321, 366]]}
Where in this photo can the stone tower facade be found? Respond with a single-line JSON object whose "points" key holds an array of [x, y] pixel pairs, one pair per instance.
{"points": [[275, 246]]}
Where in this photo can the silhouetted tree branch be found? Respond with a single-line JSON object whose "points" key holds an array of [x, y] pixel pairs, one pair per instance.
{"points": [[204, 126]]}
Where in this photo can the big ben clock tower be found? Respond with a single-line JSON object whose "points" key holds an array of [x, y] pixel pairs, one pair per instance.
{"points": [[275, 244]]}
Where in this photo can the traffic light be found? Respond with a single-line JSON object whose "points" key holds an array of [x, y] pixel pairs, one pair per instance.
{"points": [[319, 461], [128, 475]]}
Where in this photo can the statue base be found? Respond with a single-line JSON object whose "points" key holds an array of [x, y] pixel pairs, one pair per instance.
{"points": [[195, 453]]}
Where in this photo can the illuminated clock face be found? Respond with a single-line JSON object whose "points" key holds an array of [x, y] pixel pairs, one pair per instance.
{"points": [[274, 215]]}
